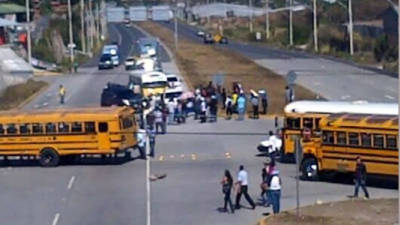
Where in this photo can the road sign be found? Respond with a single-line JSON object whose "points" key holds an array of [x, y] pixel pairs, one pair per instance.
{"points": [[291, 77], [73, 45]]}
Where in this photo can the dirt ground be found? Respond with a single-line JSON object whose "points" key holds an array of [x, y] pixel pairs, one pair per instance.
{"points": [[14, 95], [351, 212], [198, 62]]}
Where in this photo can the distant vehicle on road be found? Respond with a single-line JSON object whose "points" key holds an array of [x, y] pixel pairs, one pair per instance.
{"points": [[147, 47], [200, 33], [173, 81], [144, 65], [119, 95], [220, 39], [66, 133], [150, 83], [130, 63], [105, 62], [173, 93], [113, 50]]}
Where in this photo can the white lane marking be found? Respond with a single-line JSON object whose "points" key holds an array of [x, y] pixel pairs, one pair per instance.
{"points": [[389, 97], [71, 182], [56, 218]]}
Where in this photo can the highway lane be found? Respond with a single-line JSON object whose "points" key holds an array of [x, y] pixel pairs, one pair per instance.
{"points": [[90, 191], [331, 79]]}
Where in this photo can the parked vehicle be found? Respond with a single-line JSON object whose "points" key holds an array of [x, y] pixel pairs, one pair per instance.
{"points": [[208, 39], [173, 81], [119, 95], [105, 62], [220, 39]]}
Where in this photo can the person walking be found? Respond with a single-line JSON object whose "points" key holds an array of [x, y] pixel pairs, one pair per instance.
{"points": [[254, 103], [159, 121], [228, 105], [141, 138], [360, 178], [241, 106], [242, 185], [61, 93], [213, 108], [227, 183], [275, 191], [150, 119]]}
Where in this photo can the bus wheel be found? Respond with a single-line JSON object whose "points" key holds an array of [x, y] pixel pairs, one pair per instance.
{"points": [[49, 157], [309, 169]]}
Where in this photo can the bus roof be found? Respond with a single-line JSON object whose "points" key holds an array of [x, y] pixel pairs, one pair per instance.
{"points": [[68, 114], [361, 121], [154, 76], [329, 107]]}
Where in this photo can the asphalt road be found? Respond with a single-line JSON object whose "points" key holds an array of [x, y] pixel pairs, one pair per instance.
{"points": [[332, 79], [91, 191]]}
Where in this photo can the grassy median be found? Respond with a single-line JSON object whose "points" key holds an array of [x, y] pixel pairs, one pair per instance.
{"points": [[197, 63], [351, 212], [13, 96]]}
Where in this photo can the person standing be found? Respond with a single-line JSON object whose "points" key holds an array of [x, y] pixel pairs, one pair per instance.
{"points": [[223, 98], [152, 141], [61, 93], [141, 139], [242, 183], [227, 183], [275, 191], [241, 106], [228, 105], [274, 145], [264, 102], [254, 102], [159, 121], [360, 178], [171, 111], [150, 120], [203, 107]]}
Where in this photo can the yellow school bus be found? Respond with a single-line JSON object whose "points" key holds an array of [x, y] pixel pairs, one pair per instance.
{"points": [[51, 134], [346, 136], [302, 117]]}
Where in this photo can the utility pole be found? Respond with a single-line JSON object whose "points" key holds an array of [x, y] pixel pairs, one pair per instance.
{"points": [[87, 39], [315, 26], [291, 23], [267, 19], [91, 22], [28, 31], [83, 39], [148, 187], [398, 99], [176, 28], [351, 27], [208, 13], [98, 22], [251, 16], [71, 41]]}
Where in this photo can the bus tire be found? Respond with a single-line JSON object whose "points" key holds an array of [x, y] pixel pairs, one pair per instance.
{"points": [[49, 157], [309, 169]]}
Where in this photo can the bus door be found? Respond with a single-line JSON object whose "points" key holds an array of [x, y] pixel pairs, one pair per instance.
{"points": [[103, 136]]}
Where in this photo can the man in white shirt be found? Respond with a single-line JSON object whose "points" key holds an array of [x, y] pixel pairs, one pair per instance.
{"points": [[275, 144], [275, 191], [243, 184]]}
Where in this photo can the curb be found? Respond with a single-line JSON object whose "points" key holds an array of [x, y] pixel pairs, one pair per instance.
{"points": [[45, 73], [30, 98]]}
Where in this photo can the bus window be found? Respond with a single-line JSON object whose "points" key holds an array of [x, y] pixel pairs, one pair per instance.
{"points": [[378, 140], [63, 127], [1, 129], [308, 123], [391, 142], [76, 127], [127, 123], [365, 140], [103, 127], [293, 123], [24, 129], [317, 123], [37, 128], [341, 138], [353, 139], [11, 129], [327, 137], [89, 127], [51, 128]]}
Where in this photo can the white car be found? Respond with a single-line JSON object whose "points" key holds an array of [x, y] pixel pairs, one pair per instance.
{"points": [[173, 93], [200, 33], [173, 81], [129, 63]]}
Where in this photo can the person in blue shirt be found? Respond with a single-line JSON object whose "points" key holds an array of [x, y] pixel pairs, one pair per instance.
{"points": [[241, 106]]}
